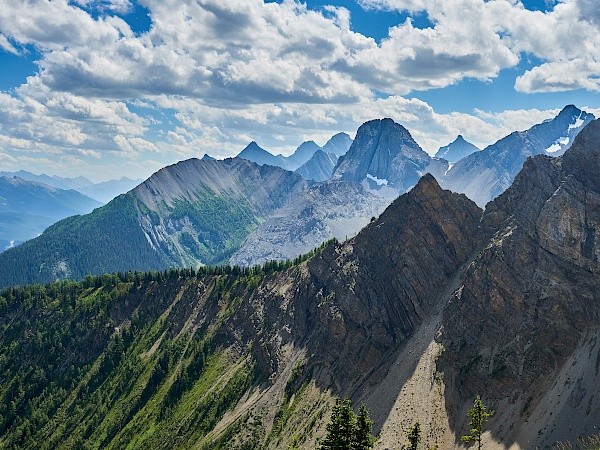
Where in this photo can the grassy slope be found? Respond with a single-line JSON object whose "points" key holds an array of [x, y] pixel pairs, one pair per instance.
{"points": [[137, 362]]}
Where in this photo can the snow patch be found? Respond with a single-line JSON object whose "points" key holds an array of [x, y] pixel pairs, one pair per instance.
{"points": [[553, 148], [578, 122], [379, 182], [559, 144], [450, 164]]}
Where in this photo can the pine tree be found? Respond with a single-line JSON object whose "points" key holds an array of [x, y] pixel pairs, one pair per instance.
{"points": [[341, 427], [479, 417]]}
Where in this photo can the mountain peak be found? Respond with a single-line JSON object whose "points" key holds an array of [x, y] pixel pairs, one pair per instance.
{"points": [[339, 144], [456, 150], [383, 150]]}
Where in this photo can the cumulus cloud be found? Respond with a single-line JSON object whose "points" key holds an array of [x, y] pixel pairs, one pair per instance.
{"points": [[209, 76]]}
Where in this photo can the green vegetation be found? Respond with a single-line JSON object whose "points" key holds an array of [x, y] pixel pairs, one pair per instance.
{"points": [[479, 417], [346, 430], [107, 240], [135, 360], [414, 437]]}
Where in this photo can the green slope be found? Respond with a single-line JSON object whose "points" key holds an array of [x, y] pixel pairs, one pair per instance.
{"points": [[107, 240]]}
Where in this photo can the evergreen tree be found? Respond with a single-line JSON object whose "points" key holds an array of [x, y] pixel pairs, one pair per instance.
{"points": [[346, 431], [479, 417], [341, 427], [414, 437], [364, 425]]}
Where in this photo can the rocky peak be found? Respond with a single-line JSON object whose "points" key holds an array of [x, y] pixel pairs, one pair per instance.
{"points": [[456, 150], [384, 152], [338, 144], [253, 152], [302, 154], [529, 301]]}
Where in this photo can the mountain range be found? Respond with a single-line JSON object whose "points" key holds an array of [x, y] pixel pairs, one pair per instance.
{"points": [[27, 208], [194, 212], [102, 192], [212, 212], [483, 175], [432, 303], [337, 145]]}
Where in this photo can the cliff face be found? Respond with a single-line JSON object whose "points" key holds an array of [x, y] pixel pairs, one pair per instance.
{"points": [[383, 152], [529, 302]]}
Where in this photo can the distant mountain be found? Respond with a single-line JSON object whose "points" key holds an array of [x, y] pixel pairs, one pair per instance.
{"points": [[194, 212], [484, 175], [331, 209], [207, 156], [338, 144], [107, 190], [28, 207], [54, 180], [319, 167], [102, 192], [253, 152], [456, 150], [303, 153], [385, 154]]}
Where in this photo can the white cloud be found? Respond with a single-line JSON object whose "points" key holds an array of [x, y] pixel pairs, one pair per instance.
{"points": [[210, 76]]}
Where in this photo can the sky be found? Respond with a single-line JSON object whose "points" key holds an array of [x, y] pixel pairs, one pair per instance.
{"points": [[112, 88]]}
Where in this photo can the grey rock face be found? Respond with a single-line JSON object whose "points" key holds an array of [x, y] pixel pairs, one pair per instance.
{"points": [[319, 167], [531, 296], [327, 210], [385, 153], [338, 144]]}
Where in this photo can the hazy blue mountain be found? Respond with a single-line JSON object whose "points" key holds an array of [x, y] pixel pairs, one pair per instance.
{"points": [[207, 156], [107, 190], [303, 153], [253, 152], [456, 150], [484, 175], [28, 207], [54, 180], [319, 167], [338, 144]]}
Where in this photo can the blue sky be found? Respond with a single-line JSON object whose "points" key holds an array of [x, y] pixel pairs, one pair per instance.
{"points": [[110, 88]]}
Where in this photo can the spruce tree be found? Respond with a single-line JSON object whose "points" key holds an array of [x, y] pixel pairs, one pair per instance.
{"points": [[341, 426], [414, 437], [346, 431], [364, 440], [479, 417]]}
